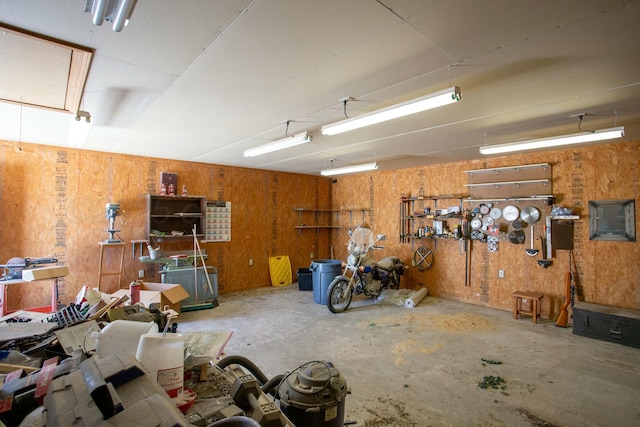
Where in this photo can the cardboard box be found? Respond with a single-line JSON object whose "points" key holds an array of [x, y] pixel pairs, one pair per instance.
{"points": [[44, 273], [162, 294]]}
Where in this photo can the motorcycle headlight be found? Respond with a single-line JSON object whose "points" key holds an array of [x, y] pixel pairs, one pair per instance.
{"points": [[352, 259]]}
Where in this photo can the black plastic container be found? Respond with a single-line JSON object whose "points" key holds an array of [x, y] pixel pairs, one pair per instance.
{"points": [[305, 279]]}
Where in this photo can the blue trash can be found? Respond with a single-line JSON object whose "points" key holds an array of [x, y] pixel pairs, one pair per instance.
{"points": [[323, 271]]}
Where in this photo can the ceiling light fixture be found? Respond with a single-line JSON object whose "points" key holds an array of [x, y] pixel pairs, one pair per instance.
{"points": [[349, 169], [116, 11], [290, 141], [434, 100], [576, 138]]}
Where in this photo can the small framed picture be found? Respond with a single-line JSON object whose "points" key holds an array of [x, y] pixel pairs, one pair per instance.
{"points": [[168, 183]]}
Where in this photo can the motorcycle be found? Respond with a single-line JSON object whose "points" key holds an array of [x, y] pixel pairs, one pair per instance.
{"points": [[363, 275]]}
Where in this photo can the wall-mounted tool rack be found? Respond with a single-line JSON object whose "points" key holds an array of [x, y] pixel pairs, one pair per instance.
{"points": [[510, 182], [418, 213]]}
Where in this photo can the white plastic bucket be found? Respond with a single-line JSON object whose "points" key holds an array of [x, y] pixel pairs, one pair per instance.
{"points": [[163, 357], [154, 253], [121, 335]]}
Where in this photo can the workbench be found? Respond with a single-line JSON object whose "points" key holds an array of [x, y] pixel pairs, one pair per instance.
{"points": [[172, 259], [32, 275], [4, 284]]}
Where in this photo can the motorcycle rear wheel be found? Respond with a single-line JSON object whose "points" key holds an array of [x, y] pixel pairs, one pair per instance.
{"points": [[338, 296]]}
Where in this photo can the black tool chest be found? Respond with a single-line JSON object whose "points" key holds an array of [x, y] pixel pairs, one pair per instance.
{"points": [[612, 324]]}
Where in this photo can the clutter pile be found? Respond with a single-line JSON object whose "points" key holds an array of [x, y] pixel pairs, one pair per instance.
{"points": [[103, 361]]}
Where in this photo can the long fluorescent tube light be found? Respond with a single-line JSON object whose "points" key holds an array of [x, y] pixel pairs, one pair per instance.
{"points": [[349, 169], [288, 142], [117, 11], [576, 138], [434, 100], [123, 12]]}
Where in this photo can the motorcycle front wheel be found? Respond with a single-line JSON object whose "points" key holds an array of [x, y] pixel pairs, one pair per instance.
{"points": [[339, 296]]}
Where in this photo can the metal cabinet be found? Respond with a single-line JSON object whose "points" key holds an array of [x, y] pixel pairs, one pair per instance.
{"points": [[607, 323]]}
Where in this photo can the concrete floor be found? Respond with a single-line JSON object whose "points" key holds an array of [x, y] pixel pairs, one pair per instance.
{"points": [[423, 366]]}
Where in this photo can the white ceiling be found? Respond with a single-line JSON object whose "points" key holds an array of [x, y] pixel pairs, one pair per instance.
{"points": [[204, 80]]}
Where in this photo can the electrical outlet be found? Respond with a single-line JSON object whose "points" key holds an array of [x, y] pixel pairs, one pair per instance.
{"points": [[250, 261], [311, 255], [140, 274], [501, 274]]}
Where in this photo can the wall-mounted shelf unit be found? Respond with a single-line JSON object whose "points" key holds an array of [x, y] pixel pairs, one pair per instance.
{"points": [[510, 182], [525, 171], [422, 218], [547, 198], [173, 217], [328, 218]]}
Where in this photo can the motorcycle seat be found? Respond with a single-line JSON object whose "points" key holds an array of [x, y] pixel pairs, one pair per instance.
{"points": [[388, 263]]}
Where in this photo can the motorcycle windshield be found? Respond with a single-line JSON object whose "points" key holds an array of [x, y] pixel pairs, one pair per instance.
{"points": [[361, 240]]}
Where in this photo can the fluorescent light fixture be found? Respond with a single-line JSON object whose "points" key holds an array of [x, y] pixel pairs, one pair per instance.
{"points": [[576, 138], [79, 128], [288, 142], [349, 169], [434, 100], [117, 11]]}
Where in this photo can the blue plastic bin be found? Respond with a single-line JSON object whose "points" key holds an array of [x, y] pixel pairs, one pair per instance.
{"points": [[323, 271]]}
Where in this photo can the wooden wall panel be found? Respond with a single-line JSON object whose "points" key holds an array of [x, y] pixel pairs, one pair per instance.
{"points": [[605, 272], [52, 203]]}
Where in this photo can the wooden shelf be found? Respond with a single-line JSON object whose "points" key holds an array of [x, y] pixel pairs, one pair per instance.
{"points": [[542, 198], [516, 169], [172, 237], [497, 184], [334, 222], [510, 182]]}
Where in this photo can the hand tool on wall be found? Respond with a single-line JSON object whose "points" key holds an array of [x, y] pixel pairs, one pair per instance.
{"points": [[531, 251], [544, 262], [530, 215], [516, 236]]}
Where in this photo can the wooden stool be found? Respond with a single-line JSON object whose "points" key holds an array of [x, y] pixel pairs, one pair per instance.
{"points": [[534, 299]]}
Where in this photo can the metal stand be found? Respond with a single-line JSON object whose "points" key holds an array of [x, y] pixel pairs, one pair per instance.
{"points": [[115, 247]]}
